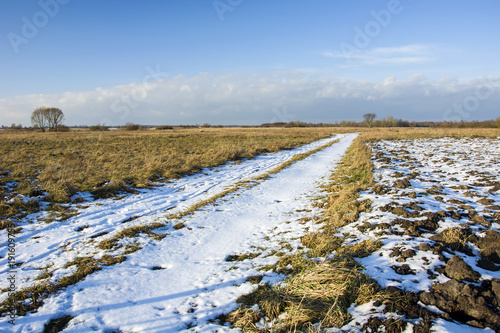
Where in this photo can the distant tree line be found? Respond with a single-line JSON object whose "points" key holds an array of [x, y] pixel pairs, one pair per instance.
{"points": [[50, 119], [473, 124], [390, 121]]}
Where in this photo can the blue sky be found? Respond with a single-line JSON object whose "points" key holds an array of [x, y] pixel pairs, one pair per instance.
{"points": [[249, 62]]}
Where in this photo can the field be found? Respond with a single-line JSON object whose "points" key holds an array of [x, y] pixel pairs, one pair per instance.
{"points": [[435, 211], [155, 231], [59, 165]]}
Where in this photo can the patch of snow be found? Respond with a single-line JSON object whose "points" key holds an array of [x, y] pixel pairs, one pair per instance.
{"points": [[443, 326]]}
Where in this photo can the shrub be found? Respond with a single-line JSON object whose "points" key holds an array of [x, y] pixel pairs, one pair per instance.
{"points": [[60, 128], [100, 128], [131, 127], [164, 127]]}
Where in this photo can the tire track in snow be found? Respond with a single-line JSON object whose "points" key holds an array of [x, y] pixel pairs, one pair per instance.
{"points": [[195, 282], [41, 244]]}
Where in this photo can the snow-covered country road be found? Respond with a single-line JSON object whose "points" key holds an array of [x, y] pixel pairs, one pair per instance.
{"points": [[41, 244], [184, 280]]}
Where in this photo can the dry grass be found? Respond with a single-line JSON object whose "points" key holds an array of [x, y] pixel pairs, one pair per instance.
{"points": [[323, 293], [31, 298], [314, 292], [244, 318], [454, 238], [59, 165], [130, 232], [320, 294], [353, 174], [359, 250], [88, 265], [17, 208], [321, 244]]}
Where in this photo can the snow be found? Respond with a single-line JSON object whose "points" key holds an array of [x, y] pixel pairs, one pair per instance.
{"points": [[57, 243], [458, 165], [193, 283], [443, 326], [430, 153], [183, 282]]}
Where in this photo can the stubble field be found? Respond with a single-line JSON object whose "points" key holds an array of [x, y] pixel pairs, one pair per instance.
{"points": [[59, 165]]}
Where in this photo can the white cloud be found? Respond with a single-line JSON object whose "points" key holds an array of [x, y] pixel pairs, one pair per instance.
{"points": [[406, 54], [254, 99]]}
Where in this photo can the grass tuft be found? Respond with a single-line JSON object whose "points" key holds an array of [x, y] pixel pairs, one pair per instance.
{"points": [[130, 232], [359, 250], [322, 293], [31, 298], [242, 257]]}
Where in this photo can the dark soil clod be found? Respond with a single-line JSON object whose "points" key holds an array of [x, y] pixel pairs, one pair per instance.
{"points": [[403, 269], [466, 303], [490, 246], [57, 325], [457, 269], [402, 183]]}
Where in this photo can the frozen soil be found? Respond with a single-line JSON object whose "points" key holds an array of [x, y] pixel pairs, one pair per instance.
{"points": [[436, 208]]}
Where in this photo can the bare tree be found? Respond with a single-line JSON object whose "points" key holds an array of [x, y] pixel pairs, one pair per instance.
{"points": [[55, 118], [47, 118], [369, 118], [38, 118]]}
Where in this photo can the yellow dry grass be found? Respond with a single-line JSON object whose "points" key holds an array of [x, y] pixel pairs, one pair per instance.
{"points": [[320, 294], [108, 162]]}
